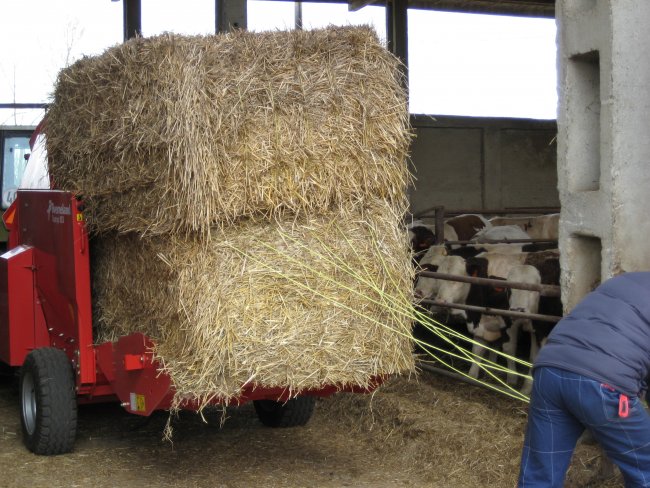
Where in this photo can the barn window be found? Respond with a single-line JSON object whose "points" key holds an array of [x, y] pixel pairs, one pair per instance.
{"points": [[265, 15], [481, 65], [187, 17]]}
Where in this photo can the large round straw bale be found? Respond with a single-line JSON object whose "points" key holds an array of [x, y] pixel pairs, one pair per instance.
{"points": [[177, 133], [296, 303]]}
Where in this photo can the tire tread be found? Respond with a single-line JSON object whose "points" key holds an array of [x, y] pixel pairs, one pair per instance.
{"points": [[56, 418], [294, 412]]}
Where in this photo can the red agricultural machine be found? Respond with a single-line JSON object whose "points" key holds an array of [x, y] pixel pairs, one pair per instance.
{"points": [[46, 330]]}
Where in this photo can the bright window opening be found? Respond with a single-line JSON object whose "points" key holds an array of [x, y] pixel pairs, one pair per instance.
{"points": [[482, 65], [186, 17], [264, 15], [460, 64]]}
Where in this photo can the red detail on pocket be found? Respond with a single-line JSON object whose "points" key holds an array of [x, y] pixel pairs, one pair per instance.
{"points": [[623, 406], [605, 385]]}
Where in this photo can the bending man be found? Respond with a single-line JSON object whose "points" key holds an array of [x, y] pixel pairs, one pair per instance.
{"points": [[591, 375]]}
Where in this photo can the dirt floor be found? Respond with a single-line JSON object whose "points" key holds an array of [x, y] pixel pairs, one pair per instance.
{"points": [[429, 432]]}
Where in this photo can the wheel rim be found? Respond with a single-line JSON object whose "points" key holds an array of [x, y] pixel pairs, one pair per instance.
{"points": [[28, 401]]}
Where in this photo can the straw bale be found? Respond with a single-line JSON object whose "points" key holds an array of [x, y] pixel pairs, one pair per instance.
{"points": [[285, 312], [178, 133]]}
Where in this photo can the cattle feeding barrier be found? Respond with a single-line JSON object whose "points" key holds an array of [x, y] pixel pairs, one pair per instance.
{"points": [[544, 290], [475, 242]]}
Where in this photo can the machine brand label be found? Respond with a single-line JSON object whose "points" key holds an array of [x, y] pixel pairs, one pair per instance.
{"points": [[56, 213]]}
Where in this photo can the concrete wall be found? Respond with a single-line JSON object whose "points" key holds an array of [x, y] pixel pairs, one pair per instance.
{"points": [[483, 163], [603, 143]]}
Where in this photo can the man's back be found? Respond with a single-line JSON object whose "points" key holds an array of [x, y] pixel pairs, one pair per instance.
{"points": [[606, 337]]}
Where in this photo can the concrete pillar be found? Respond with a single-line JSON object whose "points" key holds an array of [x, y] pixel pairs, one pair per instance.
{"points": [[603, 141]]}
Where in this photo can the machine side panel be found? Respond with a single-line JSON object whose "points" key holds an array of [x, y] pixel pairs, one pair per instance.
{"points": [[17, 326], [51, 222]]}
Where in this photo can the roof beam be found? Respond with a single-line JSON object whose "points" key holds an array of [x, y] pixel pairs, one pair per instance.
{"points": [[355, 5], [522, 8]]}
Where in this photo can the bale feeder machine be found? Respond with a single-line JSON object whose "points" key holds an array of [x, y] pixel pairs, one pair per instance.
{"points": [[46, 333]]}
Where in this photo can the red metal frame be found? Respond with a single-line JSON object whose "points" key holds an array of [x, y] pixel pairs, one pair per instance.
{"points": [[45, 301]]}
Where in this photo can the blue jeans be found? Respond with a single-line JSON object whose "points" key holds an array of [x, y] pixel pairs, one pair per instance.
{"points": [[562, 405]]}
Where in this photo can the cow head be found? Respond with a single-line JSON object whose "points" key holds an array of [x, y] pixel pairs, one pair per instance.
{"points": [[426, 287], [453, 291]]}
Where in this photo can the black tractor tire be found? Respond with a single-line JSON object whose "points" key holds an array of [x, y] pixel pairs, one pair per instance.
{"points": [[48, 402], [291, 413]]}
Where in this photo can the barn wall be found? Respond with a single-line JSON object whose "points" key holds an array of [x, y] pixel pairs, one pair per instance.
{"points": [[483, 163], [603, 144]]}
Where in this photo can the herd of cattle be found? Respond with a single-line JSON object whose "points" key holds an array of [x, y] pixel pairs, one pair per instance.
{"points": [[531, 263]]}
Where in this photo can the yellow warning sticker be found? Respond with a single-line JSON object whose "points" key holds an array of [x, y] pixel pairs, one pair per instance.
{"points": [[80, 217], [139, 403]]}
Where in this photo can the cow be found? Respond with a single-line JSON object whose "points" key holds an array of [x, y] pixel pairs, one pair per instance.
{"points": [[538, 227], [500, 232], [428, 288], [526, 301], [546, 271], [422, 237], [470, 250], [467, 225], [541, 267]]}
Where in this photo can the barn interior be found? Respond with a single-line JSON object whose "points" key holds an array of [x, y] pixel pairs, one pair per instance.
{"points": [[418, 429]]}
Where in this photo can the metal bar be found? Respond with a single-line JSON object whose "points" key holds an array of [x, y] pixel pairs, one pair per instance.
{"points": [[390, 35], [440, 225], [355, 5], [531, 208], [544, 290], [132, 19], [523, 8], [398, 20], [23, 105], [513, 210], [456, 376], [230, 14], [493, 311], [501, 241], [493, 211], [297, 15]]}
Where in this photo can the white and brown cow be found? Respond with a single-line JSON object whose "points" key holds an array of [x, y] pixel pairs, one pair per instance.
{"points": [[423, 236], [526, 301], [500, 232], [467, 225], [537, 227], [532, 302], [538, 268]]}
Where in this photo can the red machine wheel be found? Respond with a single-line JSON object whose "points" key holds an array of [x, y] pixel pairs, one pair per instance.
{"points": [[292, 413], [48, 402]]}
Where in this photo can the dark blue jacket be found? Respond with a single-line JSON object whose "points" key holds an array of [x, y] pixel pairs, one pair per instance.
{"points": [[606, 337]]}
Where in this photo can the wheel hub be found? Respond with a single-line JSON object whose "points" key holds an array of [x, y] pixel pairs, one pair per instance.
{"points": [[28, 402]]}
